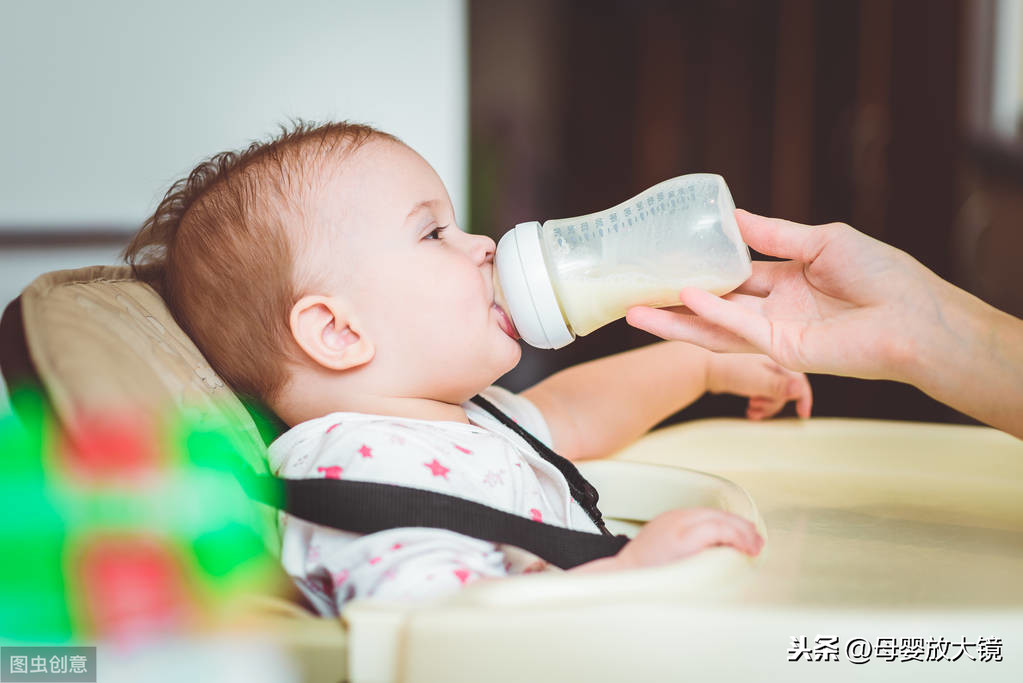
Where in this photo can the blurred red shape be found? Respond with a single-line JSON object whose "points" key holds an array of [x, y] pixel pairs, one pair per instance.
{"points": [[112, 446], [130, 586]]}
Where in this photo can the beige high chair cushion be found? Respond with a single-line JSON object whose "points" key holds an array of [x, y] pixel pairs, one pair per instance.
{"points": [[101, 340]]}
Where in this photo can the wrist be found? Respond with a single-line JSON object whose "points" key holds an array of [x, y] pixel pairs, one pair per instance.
{"points": [[712, 382], [952, 330], [917, 330]]}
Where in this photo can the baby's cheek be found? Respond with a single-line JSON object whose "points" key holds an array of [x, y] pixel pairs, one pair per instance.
{"points": [[468, 312]]}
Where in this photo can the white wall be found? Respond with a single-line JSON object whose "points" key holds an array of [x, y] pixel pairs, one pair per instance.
{"points": [[106, 102], [1007, 72]]}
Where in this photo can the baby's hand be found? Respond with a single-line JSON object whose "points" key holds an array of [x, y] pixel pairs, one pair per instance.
{"points": [[769, 385], [676, 534]]}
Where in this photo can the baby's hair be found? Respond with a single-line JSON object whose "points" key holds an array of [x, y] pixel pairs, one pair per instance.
{"points": [[218, 250]]}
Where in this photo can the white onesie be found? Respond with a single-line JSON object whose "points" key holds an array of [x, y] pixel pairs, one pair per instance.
{"points": [[484, 462]]}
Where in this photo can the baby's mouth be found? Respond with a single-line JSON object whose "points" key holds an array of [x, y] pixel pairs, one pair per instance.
{"points": [[505, 321]]}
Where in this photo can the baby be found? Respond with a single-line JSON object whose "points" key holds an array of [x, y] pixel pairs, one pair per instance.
{"points": [[324, 273]]}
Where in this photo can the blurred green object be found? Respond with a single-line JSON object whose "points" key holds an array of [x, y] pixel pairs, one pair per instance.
{"points": [[32, 588], [131, 524]]}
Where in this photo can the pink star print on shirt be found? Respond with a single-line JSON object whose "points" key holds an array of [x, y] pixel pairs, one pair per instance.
{"points": [[499, 473], [332, 472], [494, 478], [437, 469]]}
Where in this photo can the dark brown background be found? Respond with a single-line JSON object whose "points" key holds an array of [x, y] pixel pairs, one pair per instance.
{"points": [[869, 112]]}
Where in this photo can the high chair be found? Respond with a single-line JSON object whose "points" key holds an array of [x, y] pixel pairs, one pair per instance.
{"points": [[890, 547]]}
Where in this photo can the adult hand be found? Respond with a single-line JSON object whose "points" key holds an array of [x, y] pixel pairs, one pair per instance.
{"points": [[848, 304], [844, 304]]}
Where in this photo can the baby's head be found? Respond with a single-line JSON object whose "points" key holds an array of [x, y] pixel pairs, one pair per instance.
{"points": [[324, 270]]}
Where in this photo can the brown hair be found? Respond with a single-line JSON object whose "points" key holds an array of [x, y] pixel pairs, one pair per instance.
{"points": [[217, 248]]}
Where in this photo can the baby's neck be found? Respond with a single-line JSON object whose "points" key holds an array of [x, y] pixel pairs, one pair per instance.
{"points": [[310, 407], [415, 408]]}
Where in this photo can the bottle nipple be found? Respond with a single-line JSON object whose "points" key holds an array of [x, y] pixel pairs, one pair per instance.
{"points": [[499, 299]]}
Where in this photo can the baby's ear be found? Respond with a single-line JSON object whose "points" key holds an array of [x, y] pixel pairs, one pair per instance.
{"points": [[324, 328]]}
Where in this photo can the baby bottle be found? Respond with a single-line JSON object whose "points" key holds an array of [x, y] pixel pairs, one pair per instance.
{"points": [[569, 276]]}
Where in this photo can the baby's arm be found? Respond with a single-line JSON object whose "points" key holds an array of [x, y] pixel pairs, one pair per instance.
{"points": [[676, 534], [594, 409]]}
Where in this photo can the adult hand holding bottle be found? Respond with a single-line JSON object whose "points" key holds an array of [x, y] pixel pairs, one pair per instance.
{"points": [[847, 304]]}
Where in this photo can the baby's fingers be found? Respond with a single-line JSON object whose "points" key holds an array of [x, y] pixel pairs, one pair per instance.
{"points": [[795, 387], [761, 407], [721, 529], [803, 395]]}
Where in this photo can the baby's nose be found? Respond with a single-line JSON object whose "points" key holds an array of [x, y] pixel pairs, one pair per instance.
{"points": [[483, 248]]}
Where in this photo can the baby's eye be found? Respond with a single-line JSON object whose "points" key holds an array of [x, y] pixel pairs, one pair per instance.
{"points": [[436, 234]]}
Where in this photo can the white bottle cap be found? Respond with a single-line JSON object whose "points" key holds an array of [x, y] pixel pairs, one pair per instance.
{"points": [[527, 288]]}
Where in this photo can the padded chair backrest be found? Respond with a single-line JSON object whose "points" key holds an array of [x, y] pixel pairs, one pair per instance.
{"points": [[99, 340]]}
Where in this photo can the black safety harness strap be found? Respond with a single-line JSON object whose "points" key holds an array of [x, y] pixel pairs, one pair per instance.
{"points": [[367, 507], [583, 492]]}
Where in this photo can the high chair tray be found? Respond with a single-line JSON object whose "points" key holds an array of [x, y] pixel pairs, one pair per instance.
{"points": [[876, 533]]}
